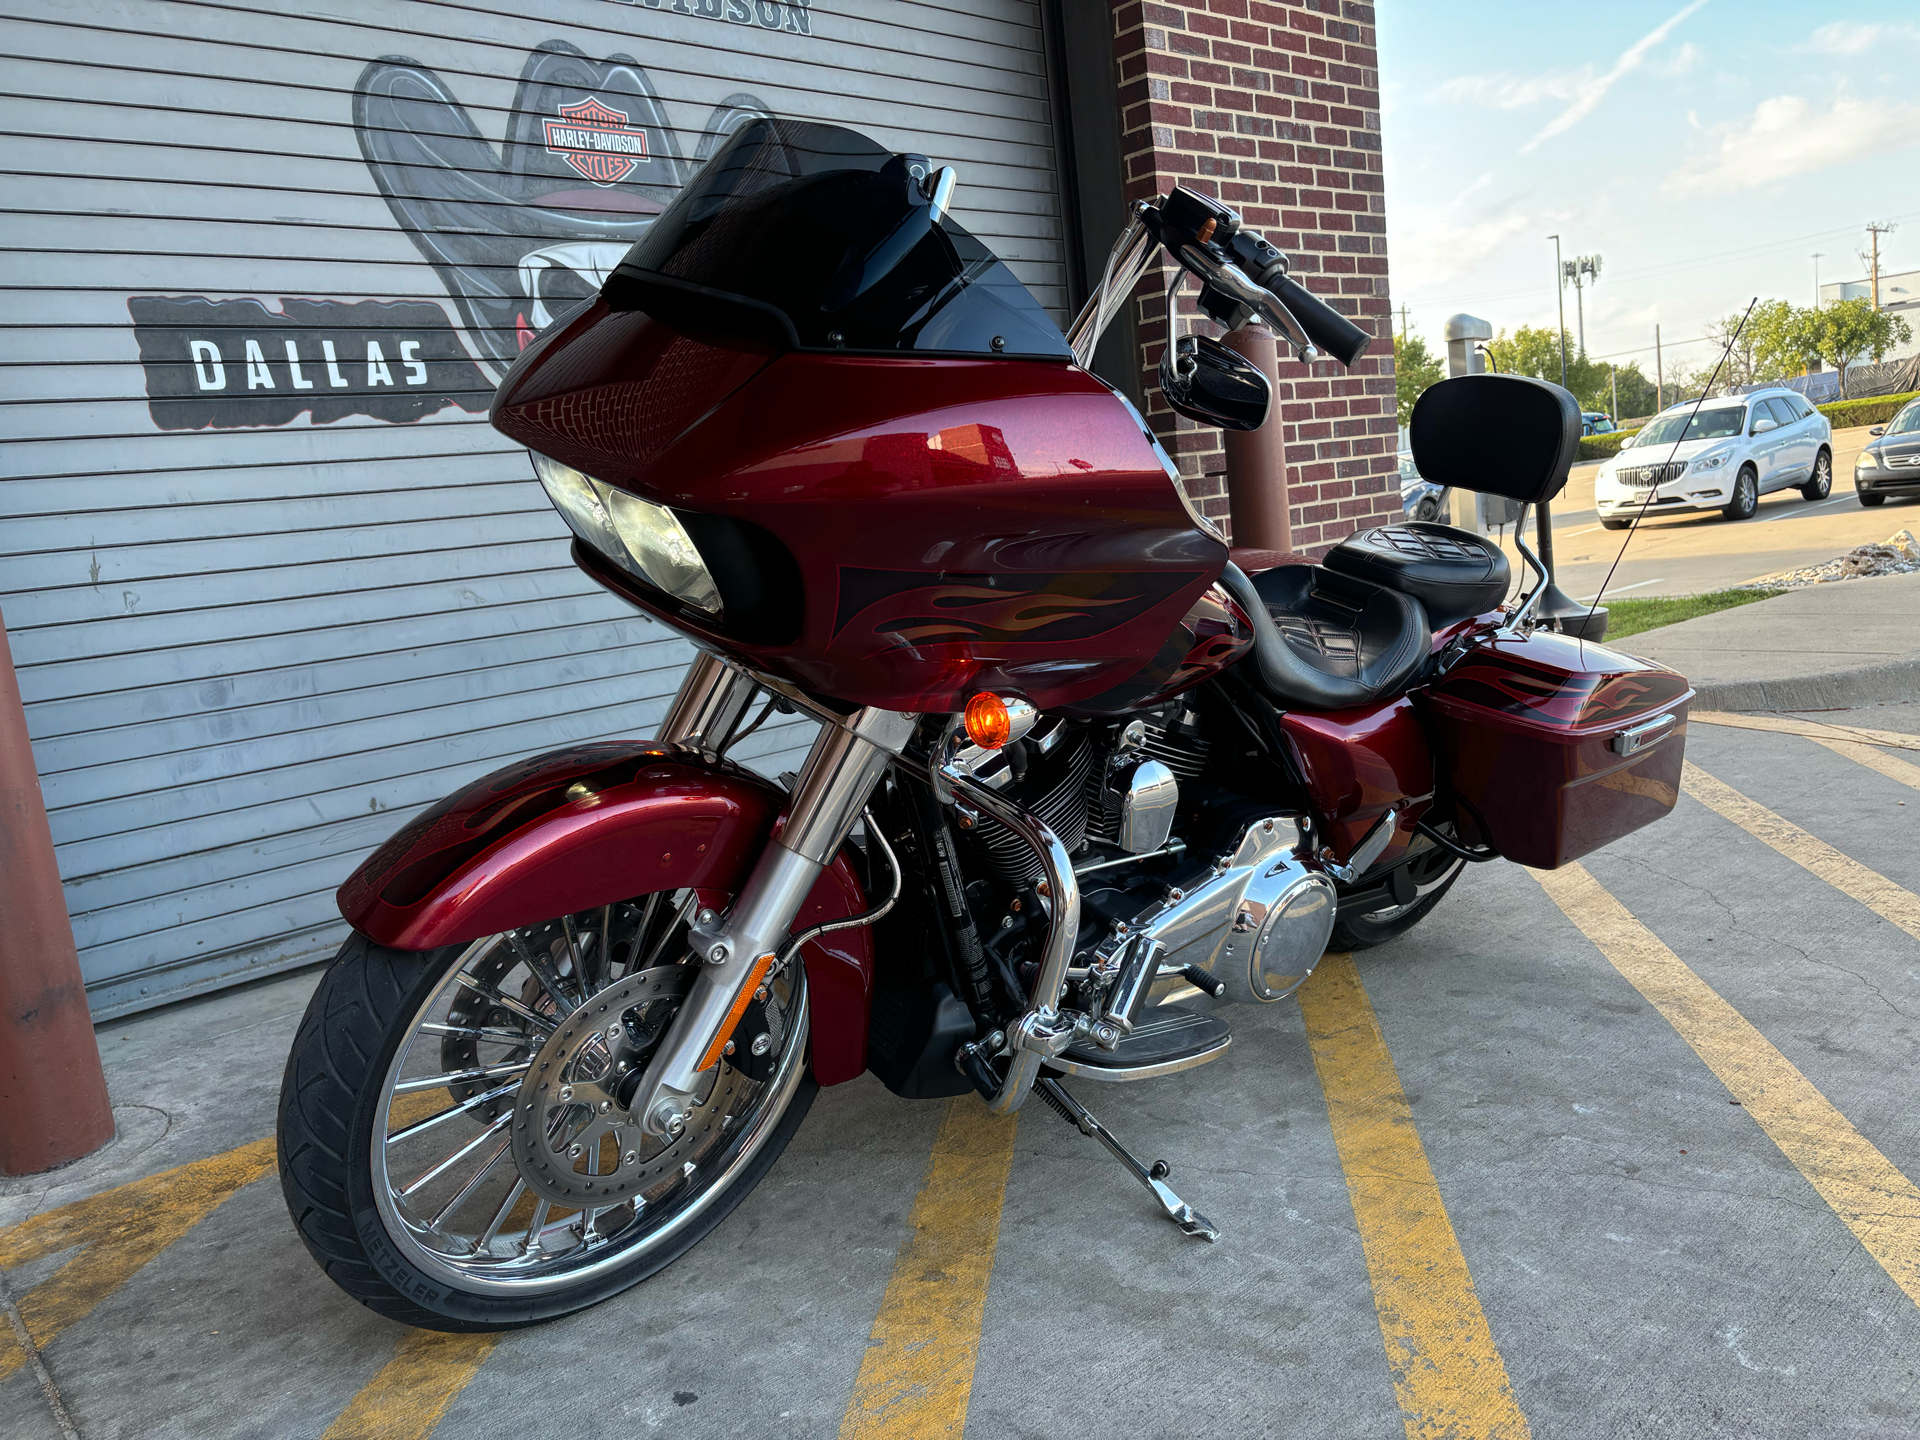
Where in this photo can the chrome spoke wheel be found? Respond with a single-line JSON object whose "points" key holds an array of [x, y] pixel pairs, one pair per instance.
{"points": [[503, 1160]]}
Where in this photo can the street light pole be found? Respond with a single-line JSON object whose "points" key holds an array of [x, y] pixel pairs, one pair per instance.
{"points": [[1554, 605], [1816, 257]]}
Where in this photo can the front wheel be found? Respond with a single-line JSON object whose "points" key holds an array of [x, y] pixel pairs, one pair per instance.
{"points": [[1868, 497], [1607, 524], [1746, 498], [1821, 481], [453, 1139]]}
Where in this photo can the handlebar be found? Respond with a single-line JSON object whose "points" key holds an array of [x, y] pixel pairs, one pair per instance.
{"points": [[1242, 276]]}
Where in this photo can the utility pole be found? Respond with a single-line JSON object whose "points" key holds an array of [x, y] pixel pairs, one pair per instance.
{"points": [[1875, 232], [1582, 268], [1817, 277], [1614, 396], [1660, 403], [1404, 323], [1560, 305]]}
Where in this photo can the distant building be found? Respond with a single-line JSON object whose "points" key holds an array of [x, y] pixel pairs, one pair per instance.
{"points": [[1900, 295]]}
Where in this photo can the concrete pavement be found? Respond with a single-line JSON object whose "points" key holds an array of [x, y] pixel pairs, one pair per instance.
{"points": [[1647, 1257], [1854, 642]]}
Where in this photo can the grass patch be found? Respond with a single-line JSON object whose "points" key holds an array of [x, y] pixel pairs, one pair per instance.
{"points": [[1631, 617]]}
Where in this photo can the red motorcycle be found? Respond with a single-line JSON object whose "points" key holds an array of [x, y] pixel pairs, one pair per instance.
{"points": [[1074, 767]]}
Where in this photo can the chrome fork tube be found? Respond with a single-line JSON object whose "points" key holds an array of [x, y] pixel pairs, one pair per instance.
{"points": [[707, 710], [737, 951]]}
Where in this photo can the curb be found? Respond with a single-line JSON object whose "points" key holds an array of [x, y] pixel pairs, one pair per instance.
{"points": [[1893, 683]]}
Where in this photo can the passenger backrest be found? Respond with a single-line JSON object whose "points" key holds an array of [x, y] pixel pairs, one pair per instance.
{"points": [[1508, 435]]}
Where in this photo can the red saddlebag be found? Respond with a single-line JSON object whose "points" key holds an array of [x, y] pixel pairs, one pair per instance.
{"points": [[1550, 748]]}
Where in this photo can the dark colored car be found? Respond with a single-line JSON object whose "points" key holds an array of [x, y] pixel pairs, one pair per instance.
{"points": [[1421, 499], [1889, 466], [1596, 422]]}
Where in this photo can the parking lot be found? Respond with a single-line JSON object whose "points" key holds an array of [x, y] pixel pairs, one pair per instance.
{"points": [[1702, 551], [1626, 1149]]}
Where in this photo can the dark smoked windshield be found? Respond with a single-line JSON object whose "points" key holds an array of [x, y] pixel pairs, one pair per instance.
{"points": [[814, 237]]}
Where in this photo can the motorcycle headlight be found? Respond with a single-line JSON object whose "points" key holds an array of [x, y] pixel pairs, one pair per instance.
{"points": [[642, 538], [1709, 462]]}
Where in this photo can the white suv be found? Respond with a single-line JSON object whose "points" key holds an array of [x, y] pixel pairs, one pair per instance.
{"points": [[1730, 453]]}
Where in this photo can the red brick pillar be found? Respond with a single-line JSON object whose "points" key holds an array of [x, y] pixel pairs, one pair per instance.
{"points": [[1274, 108]]}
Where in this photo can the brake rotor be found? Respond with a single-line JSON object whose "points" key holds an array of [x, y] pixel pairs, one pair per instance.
{"points": [[574, 1142]]}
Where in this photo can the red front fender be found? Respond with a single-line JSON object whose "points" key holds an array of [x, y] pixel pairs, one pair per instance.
{"points": [[579, 828]]}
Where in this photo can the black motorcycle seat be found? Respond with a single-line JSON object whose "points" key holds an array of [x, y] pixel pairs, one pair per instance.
{"points": [[1337, 640], [1453, 573]]}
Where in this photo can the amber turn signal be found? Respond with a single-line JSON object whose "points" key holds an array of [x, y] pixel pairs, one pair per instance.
{"points": [[993, 721]]}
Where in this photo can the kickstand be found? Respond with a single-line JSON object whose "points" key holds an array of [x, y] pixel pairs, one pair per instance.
{"points": [[1191, 1222]]}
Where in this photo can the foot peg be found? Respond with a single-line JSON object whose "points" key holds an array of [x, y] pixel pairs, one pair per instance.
{"points": [[1191, 1222]]}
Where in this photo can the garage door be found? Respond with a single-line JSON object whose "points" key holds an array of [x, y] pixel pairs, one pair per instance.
{"points": [[272, 582]]}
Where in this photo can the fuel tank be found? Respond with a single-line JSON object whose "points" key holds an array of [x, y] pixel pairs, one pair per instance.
{"points": [[894, 531]]}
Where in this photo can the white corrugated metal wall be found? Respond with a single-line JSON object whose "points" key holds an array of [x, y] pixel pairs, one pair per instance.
{"points": [[271, 581]]}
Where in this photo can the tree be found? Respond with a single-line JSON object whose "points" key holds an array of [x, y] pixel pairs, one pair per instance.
{"points": [[1786, 339], [1415, 369], [1536, 351], [1751, 359], [1636, 392], [1843, 331]]}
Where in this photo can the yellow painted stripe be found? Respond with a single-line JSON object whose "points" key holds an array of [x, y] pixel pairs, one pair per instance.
{"points": [[1812, 729], [409, 1395], [1873, 890], [918, 1370], [1874, 758], [1879, 1204], [1448, 1376], [118, 1231]]}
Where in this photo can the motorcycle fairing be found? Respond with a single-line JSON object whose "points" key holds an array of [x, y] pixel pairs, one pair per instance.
{"points": [[1016, 529], [579, 828]]}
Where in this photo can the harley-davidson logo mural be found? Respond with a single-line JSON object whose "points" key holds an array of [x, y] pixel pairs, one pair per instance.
{"points": [[597, 140], [518, 236]]}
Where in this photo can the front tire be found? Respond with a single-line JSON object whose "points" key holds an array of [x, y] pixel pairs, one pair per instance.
{"points": [[1607, 524], [460, 1242], [1746, 498], [1821, 481], [1868, 497]]}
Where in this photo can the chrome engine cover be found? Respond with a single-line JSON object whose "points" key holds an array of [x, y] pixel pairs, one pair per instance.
{"points": [[1258, 920]]}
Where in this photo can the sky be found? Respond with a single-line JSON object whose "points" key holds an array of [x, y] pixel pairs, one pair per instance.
{"points": [[1705, 149]]}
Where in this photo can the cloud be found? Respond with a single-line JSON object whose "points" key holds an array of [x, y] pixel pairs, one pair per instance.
{"points": [[1850, 37], [1681, 62], [1789, 136], [1504, 92], [1434, 250], [1593, 90]]}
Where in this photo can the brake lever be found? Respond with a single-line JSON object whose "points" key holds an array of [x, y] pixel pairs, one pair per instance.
{"points": [[1234, 283]]}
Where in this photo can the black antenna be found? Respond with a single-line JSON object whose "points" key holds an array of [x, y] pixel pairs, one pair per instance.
{"points": [[1698, 403]]}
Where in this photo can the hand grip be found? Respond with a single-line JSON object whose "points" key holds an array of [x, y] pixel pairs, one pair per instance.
{"points": [[1325, 326]]}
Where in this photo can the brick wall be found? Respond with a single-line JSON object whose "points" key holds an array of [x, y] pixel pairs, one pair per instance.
{"points": [[1274, 108]]}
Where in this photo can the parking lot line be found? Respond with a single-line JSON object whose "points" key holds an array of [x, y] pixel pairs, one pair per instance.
{"points": [[408, 1396], [1812, 729], [918, 1370], [1870, 1195], [1872, 889], [118, 1232], [1448, 1376]]}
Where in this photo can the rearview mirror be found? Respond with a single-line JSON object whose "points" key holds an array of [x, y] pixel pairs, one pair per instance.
{"points": [[1764, 425], [1205, 381], [1879, 430]]}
